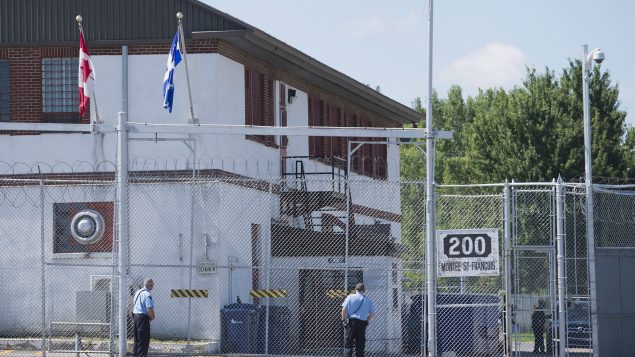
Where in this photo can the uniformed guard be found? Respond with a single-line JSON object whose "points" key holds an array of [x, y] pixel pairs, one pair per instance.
{"points": [[143, 313], [357, 311]]}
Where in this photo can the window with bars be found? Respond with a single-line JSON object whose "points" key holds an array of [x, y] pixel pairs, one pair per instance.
{"points": [[4, 90], [60, 97]]}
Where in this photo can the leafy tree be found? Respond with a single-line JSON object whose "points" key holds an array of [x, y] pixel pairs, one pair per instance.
{"points": [[533, 132]]}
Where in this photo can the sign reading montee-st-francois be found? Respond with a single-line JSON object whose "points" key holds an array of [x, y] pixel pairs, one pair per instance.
{"points": [[467, 252]]}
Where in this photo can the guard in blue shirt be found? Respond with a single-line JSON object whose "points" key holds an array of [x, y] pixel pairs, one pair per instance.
{"points": [[357, 311], [143, 313]]}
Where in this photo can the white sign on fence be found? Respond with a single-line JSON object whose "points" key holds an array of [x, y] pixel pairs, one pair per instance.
{"points": [[206, 267], [467, 252]]}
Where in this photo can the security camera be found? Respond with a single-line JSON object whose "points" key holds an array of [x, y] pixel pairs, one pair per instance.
{"points": [[598, 56]]}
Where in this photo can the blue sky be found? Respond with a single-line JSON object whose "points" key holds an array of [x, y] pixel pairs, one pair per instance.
{"points": [[477, 44]]}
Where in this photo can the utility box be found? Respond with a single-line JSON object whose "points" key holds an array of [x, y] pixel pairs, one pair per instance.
{"points": [[92, 306]]}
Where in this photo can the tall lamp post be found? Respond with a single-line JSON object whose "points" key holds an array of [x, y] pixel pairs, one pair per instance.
{"points": [[587, 60], [430, 250]]}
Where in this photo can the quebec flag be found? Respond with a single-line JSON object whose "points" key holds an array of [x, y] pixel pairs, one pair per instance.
{"points": [[174, 57]]}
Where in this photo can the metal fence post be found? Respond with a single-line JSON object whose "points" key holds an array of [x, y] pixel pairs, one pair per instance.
{"points": [[561, 254], [122, 219], [193, 191], [42, 266], [268, 310], [508, 268]]}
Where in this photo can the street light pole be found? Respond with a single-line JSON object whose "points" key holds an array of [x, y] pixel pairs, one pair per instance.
{"points": [[587, 60], [431, 275]]}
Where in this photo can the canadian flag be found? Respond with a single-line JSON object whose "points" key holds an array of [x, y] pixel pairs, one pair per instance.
{"points": [[86, 75]]}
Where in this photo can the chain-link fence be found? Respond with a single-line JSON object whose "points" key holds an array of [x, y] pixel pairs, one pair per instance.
{"points": [[262, 266], [57, 278]]}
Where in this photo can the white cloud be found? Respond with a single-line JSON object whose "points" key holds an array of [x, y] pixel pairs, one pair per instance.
{"points": [[494, 65], [372, 25], [368, 26]]}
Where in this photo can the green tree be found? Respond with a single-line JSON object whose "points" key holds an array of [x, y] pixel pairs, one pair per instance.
{"points": [[533, 132]]}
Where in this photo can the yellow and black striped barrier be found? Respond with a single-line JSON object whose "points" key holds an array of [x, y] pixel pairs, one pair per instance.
{"points": [[185, 293], [268, 293], [339, 294]]}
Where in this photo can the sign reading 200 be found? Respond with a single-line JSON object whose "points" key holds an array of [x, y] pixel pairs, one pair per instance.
{"points": [[467, 245]]}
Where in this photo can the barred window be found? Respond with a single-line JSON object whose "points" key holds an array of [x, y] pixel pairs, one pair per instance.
{"points": [[4, 90], [60, 97]]}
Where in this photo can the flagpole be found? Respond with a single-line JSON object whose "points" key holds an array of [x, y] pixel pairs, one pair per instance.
{"points": [[179, 16], [79, 20]]}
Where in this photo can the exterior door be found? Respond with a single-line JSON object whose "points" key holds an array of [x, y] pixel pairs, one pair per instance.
{"points": [[322, 335]]}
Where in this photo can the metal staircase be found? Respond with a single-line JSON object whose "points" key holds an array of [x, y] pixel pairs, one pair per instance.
{"points": [[298, 201]]}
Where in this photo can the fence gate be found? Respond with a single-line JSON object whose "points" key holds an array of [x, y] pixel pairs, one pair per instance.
{"points": [[534, 303], [534, 300]]}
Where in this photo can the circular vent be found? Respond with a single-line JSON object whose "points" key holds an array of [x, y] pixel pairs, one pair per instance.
{"points": [[87, 227]]}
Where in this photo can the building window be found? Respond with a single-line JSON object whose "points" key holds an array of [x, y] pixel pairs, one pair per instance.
{"points": [[4, 90], [259, 103], [60, 93]]}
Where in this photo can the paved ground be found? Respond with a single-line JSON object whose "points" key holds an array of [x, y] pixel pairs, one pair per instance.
{"points": [[27, 348], [18, 353]]}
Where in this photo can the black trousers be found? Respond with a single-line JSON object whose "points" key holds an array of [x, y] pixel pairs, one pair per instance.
{"points": [[539, 341], [355, 334], [141, 335]]}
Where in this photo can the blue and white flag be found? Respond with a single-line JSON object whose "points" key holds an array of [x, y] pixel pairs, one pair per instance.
{"points": [[174, 57]]}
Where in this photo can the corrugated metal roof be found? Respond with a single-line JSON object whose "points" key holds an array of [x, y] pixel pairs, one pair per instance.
{"points": [[24, 22]]}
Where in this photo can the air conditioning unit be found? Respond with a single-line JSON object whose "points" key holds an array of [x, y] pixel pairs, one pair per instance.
{"points": [[101, 283]]}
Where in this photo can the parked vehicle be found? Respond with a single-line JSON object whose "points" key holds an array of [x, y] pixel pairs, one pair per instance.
{"points": [[579, 333], [466, 324]]}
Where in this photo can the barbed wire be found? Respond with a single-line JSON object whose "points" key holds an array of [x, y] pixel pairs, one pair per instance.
{"points": [[248, 166], [604, 180]]}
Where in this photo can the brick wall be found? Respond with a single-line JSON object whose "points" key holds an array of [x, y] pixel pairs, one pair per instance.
{"points": [[25, 84]]}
